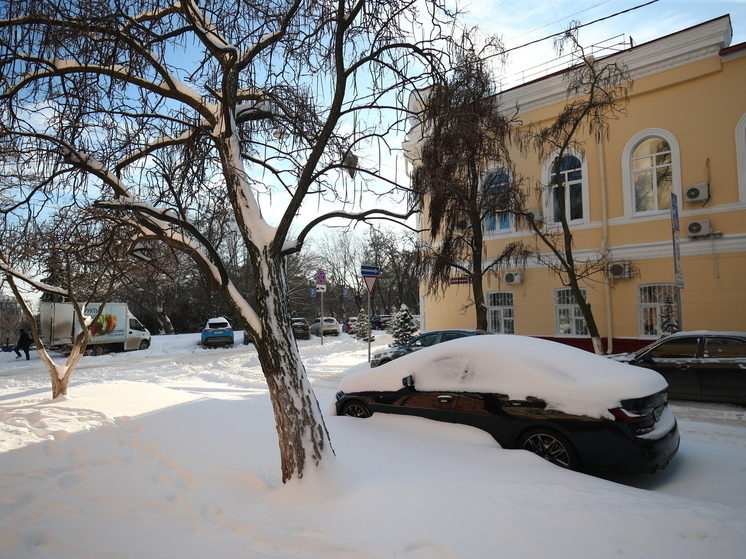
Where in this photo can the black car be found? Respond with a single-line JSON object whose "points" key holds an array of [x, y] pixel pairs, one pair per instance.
{"points": [[704, 365], [379, 321], [420, 342], [301, 329], [571, 407]]}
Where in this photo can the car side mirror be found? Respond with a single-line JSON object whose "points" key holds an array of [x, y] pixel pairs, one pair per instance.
{"points": [[644, 358], [408, 381]]}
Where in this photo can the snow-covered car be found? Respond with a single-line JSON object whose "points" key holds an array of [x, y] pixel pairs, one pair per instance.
{"points": [[420, 342], [330, 326], [703, 365], [573, 408], [217, 331], [348, 326], [301, 328]]}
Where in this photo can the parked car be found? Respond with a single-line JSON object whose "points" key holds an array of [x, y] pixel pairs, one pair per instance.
{"points": [[704, 365], [301, 328], [416, 321], [425, 340], [349, 325], [573, 408], [330, 326], [379, 321], [217, 331]]}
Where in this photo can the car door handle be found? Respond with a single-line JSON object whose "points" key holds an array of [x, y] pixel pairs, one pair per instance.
{"points": [[445, 398]]}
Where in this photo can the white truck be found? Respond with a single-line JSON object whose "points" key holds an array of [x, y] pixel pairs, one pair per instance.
{"points": [[116, 329]]}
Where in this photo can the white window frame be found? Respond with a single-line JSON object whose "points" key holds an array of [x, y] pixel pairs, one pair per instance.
{"points": [[568, 309], [548, 200], [500, 312], [485, 178], [627, 176], [646, 327], [741, 157]]}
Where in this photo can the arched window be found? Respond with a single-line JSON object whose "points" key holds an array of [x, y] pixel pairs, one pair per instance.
{"points": [[652, 175], [651, 172], [496, 184], [741, 157], [570, 175]]}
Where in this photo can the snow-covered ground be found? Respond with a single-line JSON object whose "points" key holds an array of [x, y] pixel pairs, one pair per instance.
{"points": [[172, 452]]}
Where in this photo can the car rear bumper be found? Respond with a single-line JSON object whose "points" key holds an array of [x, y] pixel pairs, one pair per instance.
{"points": [[624, 453], [217, 340]]}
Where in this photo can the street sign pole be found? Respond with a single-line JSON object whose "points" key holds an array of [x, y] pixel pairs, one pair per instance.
{"points": [[370, 276], [321, 287]]}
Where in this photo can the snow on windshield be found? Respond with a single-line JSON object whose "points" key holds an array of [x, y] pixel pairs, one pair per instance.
{"points": [[566, 378]]}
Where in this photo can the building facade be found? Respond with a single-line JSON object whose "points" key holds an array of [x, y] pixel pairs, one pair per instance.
{"points": [[684, 133]]}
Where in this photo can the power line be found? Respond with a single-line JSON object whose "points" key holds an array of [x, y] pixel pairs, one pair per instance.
{"points": [[574, 27]]}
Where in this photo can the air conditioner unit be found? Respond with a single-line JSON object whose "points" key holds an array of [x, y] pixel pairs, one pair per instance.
{"points": [[698, 193], [513, 278], [699, 228], [619, 270]]}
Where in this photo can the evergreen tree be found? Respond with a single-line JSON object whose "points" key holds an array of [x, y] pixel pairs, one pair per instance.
{"points": [[669, 324], [362, 327], [403, 327]]}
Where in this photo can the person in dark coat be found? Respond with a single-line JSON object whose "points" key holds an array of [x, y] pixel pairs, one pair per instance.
{"points": [[24, 342]]}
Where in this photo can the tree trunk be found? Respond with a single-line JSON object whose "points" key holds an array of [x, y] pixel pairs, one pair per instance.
{"points": [[303, 438], [168, 328]]}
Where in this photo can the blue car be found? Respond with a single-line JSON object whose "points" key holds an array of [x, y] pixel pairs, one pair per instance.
{"points": [[217, 331]]}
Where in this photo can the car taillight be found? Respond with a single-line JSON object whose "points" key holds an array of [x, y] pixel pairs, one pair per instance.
{"points": [[638, 423]]}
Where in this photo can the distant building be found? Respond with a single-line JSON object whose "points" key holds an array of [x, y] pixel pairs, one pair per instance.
{"points": [[684, 132]]}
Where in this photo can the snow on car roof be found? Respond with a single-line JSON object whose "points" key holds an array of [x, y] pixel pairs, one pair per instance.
{"points": [[566, 378]]}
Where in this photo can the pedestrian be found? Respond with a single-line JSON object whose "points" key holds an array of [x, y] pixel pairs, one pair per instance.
{"points": [[24, 342]]}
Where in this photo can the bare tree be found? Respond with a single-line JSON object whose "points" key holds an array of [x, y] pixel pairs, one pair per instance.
{"points": [[464, 133], [599, 94], [89, 270], [255, 100]]}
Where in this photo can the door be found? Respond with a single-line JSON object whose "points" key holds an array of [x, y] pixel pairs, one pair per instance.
{"points": [[675, 359], [722, 369]]}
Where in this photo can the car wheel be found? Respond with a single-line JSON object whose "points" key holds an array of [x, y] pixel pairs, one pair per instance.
{"points": [[551, 446], [356, 409], [98, 351], [144, 344]]}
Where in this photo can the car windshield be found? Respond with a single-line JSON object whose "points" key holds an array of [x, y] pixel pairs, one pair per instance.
{"points": [[217, 325], [329, 320]]}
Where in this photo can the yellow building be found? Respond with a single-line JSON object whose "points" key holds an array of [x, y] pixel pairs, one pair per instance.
{"points": [[684, 132]]}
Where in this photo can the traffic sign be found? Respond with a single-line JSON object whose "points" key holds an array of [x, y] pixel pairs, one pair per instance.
{"points": [[313, 292], [370, 271], [321, 277], [345, 292], [370, 283], [320, 287]]}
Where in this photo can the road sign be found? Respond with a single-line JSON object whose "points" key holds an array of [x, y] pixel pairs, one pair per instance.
{"points": [[320, 287], [313, 292], [345, 293], [321, 277], [370, 283], [370, 271]]}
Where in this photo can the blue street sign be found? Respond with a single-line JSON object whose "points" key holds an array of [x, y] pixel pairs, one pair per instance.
{"points": [[313, 293], [370, 271], [345, 293]]}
